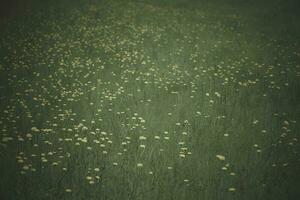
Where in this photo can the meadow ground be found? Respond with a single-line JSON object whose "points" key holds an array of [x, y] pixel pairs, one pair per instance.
{"points": [[151, 100]]}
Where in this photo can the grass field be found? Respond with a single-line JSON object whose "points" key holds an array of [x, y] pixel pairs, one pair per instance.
{"points": [[144, 100]]}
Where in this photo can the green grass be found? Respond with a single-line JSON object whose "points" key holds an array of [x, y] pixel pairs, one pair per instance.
{"points": [[151, 100]]}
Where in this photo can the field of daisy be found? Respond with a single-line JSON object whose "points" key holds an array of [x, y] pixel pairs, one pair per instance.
{"points": [[151, 100]]}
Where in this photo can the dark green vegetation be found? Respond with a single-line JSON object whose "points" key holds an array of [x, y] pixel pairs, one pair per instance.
{"points": [[151, 100]]}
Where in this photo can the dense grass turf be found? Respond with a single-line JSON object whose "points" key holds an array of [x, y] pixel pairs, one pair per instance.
{"points": [[151, 100]]}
